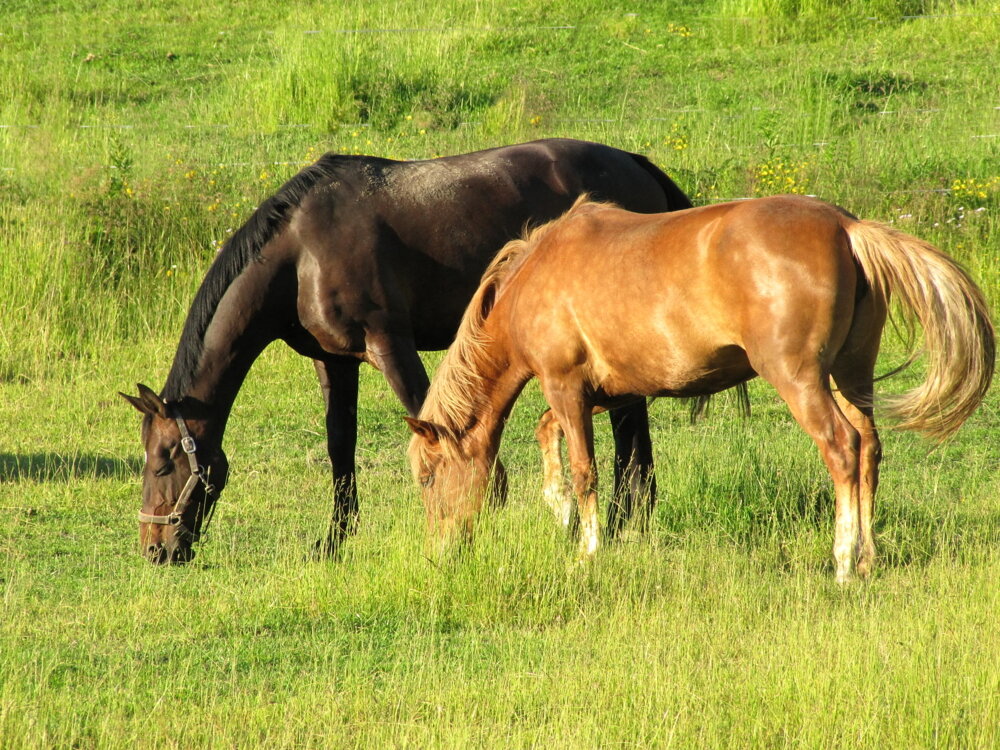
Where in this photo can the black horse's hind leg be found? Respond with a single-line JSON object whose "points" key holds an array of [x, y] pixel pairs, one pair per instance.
{"points": [[338, 379], [635, 480]]}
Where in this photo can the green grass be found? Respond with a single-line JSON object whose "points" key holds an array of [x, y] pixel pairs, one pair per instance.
{"points": [[136, 139], [722, 628]]}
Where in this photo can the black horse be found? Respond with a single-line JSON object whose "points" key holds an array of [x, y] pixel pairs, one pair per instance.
{"points": [[354, 259]]}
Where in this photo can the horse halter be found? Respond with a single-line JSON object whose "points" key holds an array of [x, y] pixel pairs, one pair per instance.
{"points": [[198, 474]]}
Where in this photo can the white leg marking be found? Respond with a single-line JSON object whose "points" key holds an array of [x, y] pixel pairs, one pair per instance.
{"points": [[590, 534], [561, 504], [845, 547]]}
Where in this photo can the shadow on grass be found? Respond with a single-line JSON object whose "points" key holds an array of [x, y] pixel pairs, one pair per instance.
{"points": [[51, 467]]}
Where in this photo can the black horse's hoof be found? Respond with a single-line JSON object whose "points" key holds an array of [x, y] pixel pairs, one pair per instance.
{"points": [[324, 549]]}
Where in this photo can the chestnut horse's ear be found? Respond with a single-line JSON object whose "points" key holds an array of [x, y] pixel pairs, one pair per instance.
{"points": [[487, 300], [427, 430], [147, 402]]}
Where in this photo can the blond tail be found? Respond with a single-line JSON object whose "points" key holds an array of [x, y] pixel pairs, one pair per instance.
{"points": [[958, 340]]}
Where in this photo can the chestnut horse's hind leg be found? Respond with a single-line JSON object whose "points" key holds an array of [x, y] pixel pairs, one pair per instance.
{"points": [[338, 379], [854, 375], [635, 480], [859, 411], [814, 408]]}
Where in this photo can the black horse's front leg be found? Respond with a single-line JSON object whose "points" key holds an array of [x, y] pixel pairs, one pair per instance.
{"points": [[338, 379], [397, 358], [635, 480]]}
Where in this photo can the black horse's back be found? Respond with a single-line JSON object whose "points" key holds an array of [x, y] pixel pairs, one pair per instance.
{"points": [[406, 241]]}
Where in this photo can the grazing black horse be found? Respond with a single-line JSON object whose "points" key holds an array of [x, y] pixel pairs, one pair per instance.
{"points": [[354, 259]]}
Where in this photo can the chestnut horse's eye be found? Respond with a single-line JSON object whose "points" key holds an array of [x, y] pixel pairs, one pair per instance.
{"points": [[427, 480]]}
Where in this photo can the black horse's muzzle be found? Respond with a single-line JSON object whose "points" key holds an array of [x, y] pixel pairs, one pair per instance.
{"points": [[177, 548], [161, 554]]}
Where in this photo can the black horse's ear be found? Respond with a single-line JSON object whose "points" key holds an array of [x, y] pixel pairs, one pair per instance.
{"points": [[147, 402], [427, 430], [136, 402]]}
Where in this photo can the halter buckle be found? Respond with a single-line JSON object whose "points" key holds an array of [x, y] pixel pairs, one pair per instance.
{"points": [[188, 445]]}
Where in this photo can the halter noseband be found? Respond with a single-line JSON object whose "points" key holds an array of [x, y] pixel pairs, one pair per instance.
{"points": [[198, 474]]}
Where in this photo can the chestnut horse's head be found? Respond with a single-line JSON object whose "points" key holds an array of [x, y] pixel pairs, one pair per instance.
{"points": [[184, 473], [453, 482]]}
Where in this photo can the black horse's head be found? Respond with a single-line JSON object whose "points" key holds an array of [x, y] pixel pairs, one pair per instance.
{"points": [[184, 473]]}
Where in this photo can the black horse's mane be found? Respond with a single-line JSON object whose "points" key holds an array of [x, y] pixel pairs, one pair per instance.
{"points": [[241, 249]]}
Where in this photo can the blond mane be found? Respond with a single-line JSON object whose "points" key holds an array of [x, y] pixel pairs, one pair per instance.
{"points": [[455, 391]]}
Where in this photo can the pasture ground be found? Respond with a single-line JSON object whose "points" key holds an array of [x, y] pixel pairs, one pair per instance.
{"points": [[133, 140]]}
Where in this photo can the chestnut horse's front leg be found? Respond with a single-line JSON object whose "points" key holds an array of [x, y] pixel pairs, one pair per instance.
{"points": [[814, 407], [577, 422], [549, 434]]}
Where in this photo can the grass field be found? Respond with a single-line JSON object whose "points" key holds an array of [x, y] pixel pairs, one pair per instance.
{"points": [[134, 140]]}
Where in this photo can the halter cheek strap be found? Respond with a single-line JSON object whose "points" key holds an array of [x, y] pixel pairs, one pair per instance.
{"points": [[175, 517]]}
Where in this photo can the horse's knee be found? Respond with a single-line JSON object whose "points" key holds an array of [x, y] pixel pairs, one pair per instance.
{"points": [[842, 451]]}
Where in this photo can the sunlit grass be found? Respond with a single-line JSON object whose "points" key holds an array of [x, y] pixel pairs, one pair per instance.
{"points": [[130, 151]]}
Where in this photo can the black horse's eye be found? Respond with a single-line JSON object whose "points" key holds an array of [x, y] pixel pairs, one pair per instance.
{"points": [[165, 469]]}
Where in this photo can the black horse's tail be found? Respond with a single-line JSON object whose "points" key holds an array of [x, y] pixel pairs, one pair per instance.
{"points": [[698, 405], [676, 198]]}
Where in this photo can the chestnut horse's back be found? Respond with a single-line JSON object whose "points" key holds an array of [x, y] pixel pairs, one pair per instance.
{"points": [[717, 294], [698, 292]]}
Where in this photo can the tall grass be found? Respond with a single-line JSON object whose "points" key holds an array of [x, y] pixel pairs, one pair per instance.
{"points": [[130, 151], [721, 628]]}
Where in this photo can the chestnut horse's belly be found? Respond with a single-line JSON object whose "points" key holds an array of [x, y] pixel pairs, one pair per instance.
{"points": [[668, 371]]}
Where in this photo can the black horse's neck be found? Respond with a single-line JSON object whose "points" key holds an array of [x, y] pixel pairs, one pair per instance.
{"points": [[224, 334], [241, 305]]}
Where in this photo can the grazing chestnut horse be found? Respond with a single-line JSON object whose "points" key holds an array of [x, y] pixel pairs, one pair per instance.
{"points": [[357, 259], [604, 305]]}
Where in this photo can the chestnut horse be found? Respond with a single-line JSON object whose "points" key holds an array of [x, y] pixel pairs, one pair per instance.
{"points": [[604, 305], [357, 259]]}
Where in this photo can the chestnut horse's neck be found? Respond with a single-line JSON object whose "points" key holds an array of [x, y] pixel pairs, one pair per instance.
{"points": [[476, 385], [481, 419]]}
